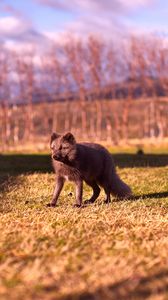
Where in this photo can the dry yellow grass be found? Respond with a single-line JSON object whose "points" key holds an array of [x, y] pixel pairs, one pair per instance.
{"points": [[116, 251]]}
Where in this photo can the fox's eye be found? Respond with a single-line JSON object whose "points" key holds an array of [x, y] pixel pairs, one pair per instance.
{"points": [[65, 148]]}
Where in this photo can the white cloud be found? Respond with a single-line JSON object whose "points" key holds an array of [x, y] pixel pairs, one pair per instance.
{"points": [[90, 6], [11, 26], [135, 4], [106, 29], [19, 47], [55, 36], [20, 36], [103, 18], [19, 29]]}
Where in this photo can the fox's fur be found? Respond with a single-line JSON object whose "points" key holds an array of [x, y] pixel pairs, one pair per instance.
{"points": [[87, 162]]}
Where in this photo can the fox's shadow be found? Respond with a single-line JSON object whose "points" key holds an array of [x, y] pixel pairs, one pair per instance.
{"points": [[139, 197], [150, 196]]}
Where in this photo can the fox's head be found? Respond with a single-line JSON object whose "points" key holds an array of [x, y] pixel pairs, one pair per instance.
{"points": [[63, 147]]}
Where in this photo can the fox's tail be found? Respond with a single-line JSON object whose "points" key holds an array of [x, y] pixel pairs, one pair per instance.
{"points": [[119, 188]]}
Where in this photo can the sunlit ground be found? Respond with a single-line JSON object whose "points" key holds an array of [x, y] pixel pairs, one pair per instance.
{"points": [[116, 251]]}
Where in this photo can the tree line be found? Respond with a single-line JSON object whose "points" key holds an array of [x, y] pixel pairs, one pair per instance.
{"points": [[105, 90]]}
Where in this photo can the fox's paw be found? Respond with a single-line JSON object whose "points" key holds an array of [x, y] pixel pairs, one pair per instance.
{"points": [[50, 205], [87, 202], [107, 202], [77, 205]]}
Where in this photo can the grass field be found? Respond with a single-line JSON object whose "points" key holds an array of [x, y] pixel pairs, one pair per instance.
{"points": [[117, 251]]}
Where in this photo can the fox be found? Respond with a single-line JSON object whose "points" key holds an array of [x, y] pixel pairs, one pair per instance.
{"points": [[84, 162]]}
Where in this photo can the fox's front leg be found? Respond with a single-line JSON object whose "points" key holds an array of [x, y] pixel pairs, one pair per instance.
{"points": [[79, 192], [58, 187]]}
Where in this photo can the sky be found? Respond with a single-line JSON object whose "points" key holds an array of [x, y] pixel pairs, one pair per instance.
{"points": [[36, 23]]}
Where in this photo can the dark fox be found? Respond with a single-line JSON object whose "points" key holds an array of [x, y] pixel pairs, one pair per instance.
{"points": [[87, 162]]}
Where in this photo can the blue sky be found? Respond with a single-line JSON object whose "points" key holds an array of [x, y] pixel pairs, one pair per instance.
{"points": [[31, 21], [43, 17]]}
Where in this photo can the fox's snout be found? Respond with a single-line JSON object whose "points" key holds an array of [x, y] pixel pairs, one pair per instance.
{"points": [[56, 156]]}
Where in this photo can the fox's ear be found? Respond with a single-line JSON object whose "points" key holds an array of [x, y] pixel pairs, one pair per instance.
{"points": [[54, 136], [69, 138]]}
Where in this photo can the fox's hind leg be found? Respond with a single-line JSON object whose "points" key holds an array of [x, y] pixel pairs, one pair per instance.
{"points": [[104, 182], [107, 192], [96, 191]]}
